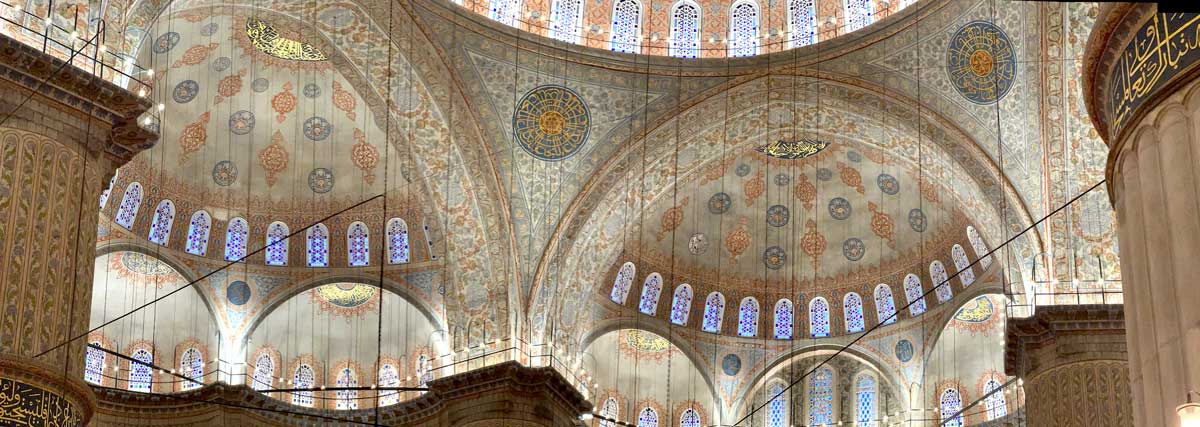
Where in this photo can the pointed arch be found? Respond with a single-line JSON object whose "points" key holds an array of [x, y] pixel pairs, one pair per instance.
{"points": [[777, 408], [624, 281], [627, 26], [191, 365], [690, 418], [996, 406], [648, 417], [748, 317], [389, 376], [566, 20], [235, 239], [852, 310], [358, 252], [866, 400], [141, 375], [610, 410], [784, 319], [277, 244], [317, 238], [651, 289], [129, 205], [951, 404], [959, 256], [303, 378], [743, 28], [685, 29], [714, 311], [980, 248], [858, 13], [937, 273], [506, 11], [397, 235], [346, 399], [914, 294], [885, 304], [681, 304], [160, 227], [802, 23], [264, 372], [818, 317], [198, 230], [820, 397]]}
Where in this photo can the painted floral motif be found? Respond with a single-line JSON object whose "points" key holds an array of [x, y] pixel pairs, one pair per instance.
{"points": [[166, 42], [273, 158], [774, 257], [209, 29], [783, 179], [930, 192], [742, 170], [185, 91], [806, 192], [196, 54], [778, 215], [365, 156], [311, 90], [839, 208], [343, 100], [241, 122], [698, 244], [193, 137], [881, 224], [853, 156], [719, 203], [737, 240], [813, 242], [754, 187], [221, 64], [916, 220], [260, 85], [851, 177], [224, 173], [283, 102], [642, 345], [229, 86], [671, 219], [888, 184], [317, 128], [320, 180], [853, 249], [824, 174], [143, 270]]}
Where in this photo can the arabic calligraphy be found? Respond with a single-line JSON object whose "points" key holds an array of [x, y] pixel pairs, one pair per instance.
{"points": [[1165, 46], [791, 150], [26, 405], [266, 39], [978, 310], [551, 122], [981, 63]]}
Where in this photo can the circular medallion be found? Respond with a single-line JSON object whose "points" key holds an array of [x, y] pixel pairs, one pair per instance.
{"points": [[742, 169], [824, 174], [839, 208], [854, 156], [551, 122], [166, 42], [774, 257], [731, 364], [224, 173], [238, 293], [209, 29], [320, 180], [698, 244], [916, 220], [904, 351], [311, 90], [221, 64], [185, 91], [719, 203], [853, 248], [778, 215], [981, 63], [241, 122], [260, 85], [317, 128], [783, 179], [888, 184]]}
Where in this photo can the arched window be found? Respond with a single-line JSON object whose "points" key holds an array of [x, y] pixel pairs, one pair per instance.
{"points": [[93, 364], [610, 410], [714, 310], [981, 250], [108, 190], [748, 317], [951, 404], [160, 228], [777, 408], [506, 11], [235, 239], [197, 240], [277, 243], [937, 272], [397, 233], [802, 23], [685, 29], [647, 418], [423, 371], [965, 274], [852, 310], [357, 245], [621, 285], [140, 372], [912, 291], [627, 26], [818, 317], [129, 205], [264, 372], [304, 378], [318, 246], [681, 304], [690, 418], [389, 376], [743, 29], [885, 306], [347, 399], [651, 289], [820, 397], [865, 397], [191, 365], [996, 407], [858, 14], [784, 319], [566, 20]]}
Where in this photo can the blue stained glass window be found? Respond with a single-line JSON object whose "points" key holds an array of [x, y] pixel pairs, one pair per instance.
{"points": [[192, 366], [93, 364], [858, 14], [748, 317], [346, 399], [852, 310], [951, 404], [108, 190], [566, 22], [962, 265], [423, 371], [160, 228], [996, 406], [685, 29], [743, 29], [627, 26], [277, 243], [651, 289], [198, 228], [304, 378], [784, 319], [802, 23], [820, 397], [777, 408], [129, 206], [609, 410], [389, 376], [235, 239], [681, 304], [264, 372], [318, 246], [937, 273], [141, 374], [979, 247], [690, 418], [397, 233], [623, 282], [865, 393], [818, 317], [647, 418], [912, 291], [885, 305], [358, 252], [506, 11], [714, 309]]}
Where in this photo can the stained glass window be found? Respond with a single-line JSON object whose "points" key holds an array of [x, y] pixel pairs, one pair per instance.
{"points": [[818, 317], [777, 408], [852, 310], [647, 418], [160, 228], [714, 309], [996, 407], [191, 365], [690, 418], [963, 265], [318, 246], [784, 319], [346, 399], [748, 317], [93, 364], [885, 305], [979, 247], [820, 397], [129, 205], [865, 393], [235, 239], [304, 378], [424, 373], [108, 190], [743, 29], [912, 291], [140, 373], [506, 11], [651, 289], [623, 282], [566, 20], [858, 14], [264, 372], [609, 410], [627, 26], [397, 233], [951, 404], [277, 243], [357, 243], [685, 29], [197, 240], [681, 304], [937, 273], [802, 23], [389, 376]]}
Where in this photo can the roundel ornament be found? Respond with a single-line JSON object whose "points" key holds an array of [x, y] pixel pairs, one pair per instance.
{"points": [[551, 122], [981, 62]]}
